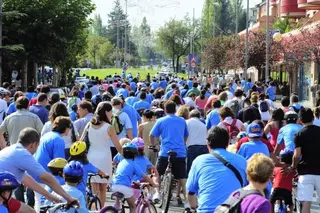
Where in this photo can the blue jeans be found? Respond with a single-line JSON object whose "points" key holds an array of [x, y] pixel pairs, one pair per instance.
{"points": [[193, 152]]}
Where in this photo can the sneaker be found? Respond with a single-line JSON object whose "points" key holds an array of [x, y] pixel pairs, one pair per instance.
{"points": [[187, 206]]}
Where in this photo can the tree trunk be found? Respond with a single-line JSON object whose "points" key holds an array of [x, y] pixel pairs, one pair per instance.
{"points": [[25, 75], [55, 76], [177, 64], [174, 69]]}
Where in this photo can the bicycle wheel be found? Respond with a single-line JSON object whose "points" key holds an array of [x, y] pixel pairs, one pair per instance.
{"points": [[109, 209], [148, 208], [94, 204], [297, 205], [166, 194]]}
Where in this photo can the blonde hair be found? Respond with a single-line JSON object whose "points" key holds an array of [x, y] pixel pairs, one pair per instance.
{"points": [[124, 141], [260, 168], [183, 112]]}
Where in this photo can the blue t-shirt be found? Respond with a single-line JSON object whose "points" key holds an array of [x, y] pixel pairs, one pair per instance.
{"points": [[51, 147], [126, 170], [3, 209], [252, 147], [12, 108], [190, 84], [183, 93], [73, 115], [173, 130], [213, 118], [212, 181], [123, 92], [154, 85], [133, 86], [134, 117], [74, 192], [88, 168], [142, 105], [131, 100], [94, 98], [41, 112], [150, 98], [31, 95], [118, 158], [286, 135], [168, 94], [163, 84], [17, 160], [144, 164], [271, 91]]}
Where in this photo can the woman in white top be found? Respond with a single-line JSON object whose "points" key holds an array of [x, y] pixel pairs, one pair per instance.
{"points": [[59, 109], [100, 134]]}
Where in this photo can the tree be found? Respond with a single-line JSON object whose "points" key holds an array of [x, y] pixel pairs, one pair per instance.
{"points": [[97, 28], [99, 50], [174, 38], [304, 46]]}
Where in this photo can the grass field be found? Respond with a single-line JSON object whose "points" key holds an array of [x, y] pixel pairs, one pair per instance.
{"points": [[102, 73]]}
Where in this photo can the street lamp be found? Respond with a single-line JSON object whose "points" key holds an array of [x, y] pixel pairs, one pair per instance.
{"points": [[247, 44], [267, 41]]}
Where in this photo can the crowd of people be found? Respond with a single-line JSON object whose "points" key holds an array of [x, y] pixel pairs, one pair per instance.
{"points": [[231, 141]]}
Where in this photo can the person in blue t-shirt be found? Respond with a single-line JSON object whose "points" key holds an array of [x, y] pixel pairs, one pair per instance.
{"points": [[142, 104], [287, 132], [12, 107], [271, 91], [255, 145], [40, 108], [123, 91], [73, 113], [210, 182], [78, 152], [133, 85], [154, 85], [163, 83], [295, 106], [213, 118], [134, 117], [30, 93], [174, 133], [73, 175], [132, 98], [126, 170]]}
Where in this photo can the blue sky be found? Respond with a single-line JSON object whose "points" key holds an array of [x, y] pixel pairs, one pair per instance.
{"points": [[157, 12]]}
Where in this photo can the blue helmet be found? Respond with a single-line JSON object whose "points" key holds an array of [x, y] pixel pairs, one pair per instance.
{"points": [[242, 135], [73, 169], [130, 147], [8, 181]]}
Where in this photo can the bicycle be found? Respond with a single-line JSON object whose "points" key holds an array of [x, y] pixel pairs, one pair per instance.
{"points": [[93, 203], [167, 183], [296, 202], [60, 207], [143, 205]]}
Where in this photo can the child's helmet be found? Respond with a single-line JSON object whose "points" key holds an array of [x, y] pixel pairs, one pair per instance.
{"points": [[8, 182], [241, 135], [58, 163], [291, 116], [130, 148], [78, 148], [139, 142], [73, 169]]}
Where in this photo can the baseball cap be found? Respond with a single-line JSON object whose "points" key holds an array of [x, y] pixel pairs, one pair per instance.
{"points": [[101, 88], [254, 130]]}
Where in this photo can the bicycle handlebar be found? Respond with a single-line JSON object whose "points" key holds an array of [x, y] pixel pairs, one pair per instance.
{"points": [[154, 148], [94, 175]]}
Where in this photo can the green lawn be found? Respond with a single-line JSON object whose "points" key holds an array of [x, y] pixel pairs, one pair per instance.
{"points": [[102, 73]]}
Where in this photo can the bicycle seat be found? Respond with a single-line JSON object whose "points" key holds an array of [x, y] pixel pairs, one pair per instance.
{"points": [[117, 195], [172, 153]]}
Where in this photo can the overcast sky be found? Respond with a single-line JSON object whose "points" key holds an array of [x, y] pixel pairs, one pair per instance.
{"points": [[157, 12]]}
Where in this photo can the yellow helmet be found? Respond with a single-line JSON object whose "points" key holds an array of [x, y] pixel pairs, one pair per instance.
{"points": [[58, 163], [78, 148]]}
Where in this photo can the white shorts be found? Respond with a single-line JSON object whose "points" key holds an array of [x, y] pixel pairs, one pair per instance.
{"points": [[125, 190], [306, 186]]}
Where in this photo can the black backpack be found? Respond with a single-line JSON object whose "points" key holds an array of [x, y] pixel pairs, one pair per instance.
{"points": [[235, 106], [233, 204]]}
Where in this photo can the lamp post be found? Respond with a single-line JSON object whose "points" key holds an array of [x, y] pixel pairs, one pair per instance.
{"points": [[267, 41], [125, 35]]}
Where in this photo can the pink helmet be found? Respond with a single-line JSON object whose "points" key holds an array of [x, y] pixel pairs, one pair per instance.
{"points": [[139, 142]]}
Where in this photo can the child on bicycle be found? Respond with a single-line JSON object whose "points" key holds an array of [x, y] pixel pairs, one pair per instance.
{"points": [[125, 173], [282, 183], [145, 165], [8, 183], [118, 156], [56, 168], [73, 175], [78, 152]]}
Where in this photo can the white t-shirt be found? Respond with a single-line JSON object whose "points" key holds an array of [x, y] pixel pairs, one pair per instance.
{"points": [[3, 109], [197, 132]]}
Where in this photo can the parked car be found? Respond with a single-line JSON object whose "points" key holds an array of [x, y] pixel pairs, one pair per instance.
{"points": [[81, 80]]}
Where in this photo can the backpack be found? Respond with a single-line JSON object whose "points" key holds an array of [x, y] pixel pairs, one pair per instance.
{"points": [[72, 101], [264, 106], [98, 99], [235, 106], [296, 109], [233, 204], [232, 129], [115, 122]]}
